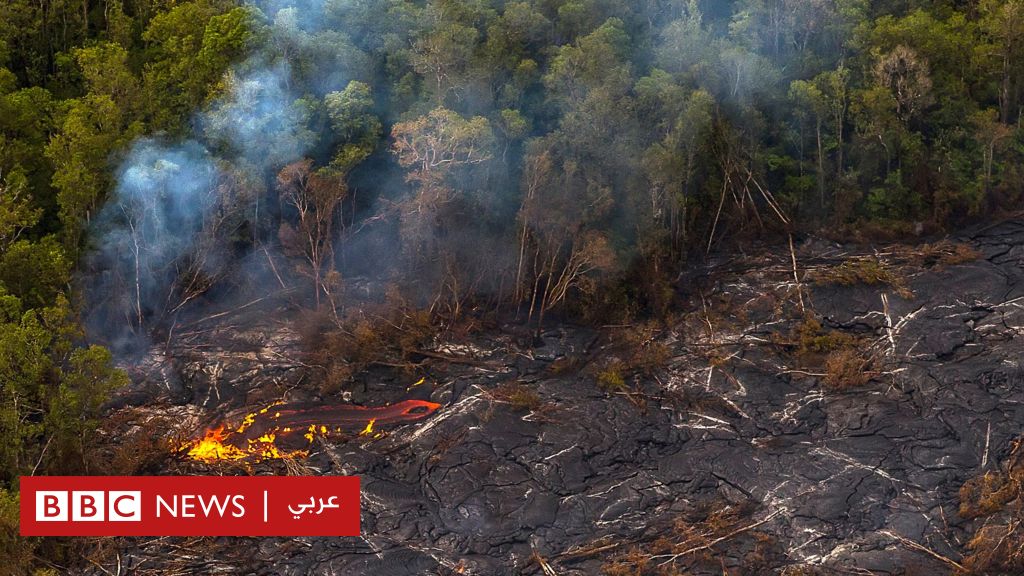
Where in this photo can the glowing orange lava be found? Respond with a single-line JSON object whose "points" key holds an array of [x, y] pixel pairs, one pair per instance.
{"points": [[256, 438]]}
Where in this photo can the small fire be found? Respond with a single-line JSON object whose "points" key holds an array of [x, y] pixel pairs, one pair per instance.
{"points": [[369, 428], [214, 446], [242, 443]]}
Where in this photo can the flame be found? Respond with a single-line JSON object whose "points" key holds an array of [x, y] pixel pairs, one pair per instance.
{"points": [[369, 428], [214, 446], [234, 445]]}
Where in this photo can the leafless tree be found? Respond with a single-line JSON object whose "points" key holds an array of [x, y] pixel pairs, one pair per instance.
{"points": [[315, 197]]}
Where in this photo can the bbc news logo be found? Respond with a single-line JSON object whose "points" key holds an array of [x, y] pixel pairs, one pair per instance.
{"points": [[190, 506], [88, 506]]}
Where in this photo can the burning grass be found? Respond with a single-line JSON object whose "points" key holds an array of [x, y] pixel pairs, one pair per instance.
{"points": [[216, 445]]}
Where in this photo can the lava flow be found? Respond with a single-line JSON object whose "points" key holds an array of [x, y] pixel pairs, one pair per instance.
{"points": [[257, 437]]}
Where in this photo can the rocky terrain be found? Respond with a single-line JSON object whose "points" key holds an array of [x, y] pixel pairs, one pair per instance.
{"points": [[810, 412]]}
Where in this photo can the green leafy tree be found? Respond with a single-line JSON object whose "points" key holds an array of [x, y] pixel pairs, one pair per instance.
{"points": [[190, 47], [92, 129], [1003, 23], [598, 59], [824, 99], [354, 123], [35, 272], [105, 69], [26, 124], [439, 153], [442, 55], [16, 212], [671, 164]]}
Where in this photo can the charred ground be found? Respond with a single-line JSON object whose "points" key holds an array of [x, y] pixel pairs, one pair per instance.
{"points": [[857, 416]]}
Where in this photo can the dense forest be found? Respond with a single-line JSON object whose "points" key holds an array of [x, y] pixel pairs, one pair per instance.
{"points": [[526, 158]]}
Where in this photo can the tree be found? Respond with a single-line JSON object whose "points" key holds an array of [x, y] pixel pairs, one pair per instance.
{"points": [[559, 246], [442, 55], [355, 125], [27, 122], [315, 196], [834, 87], [166, 207], [191, 45], [825, 99], [432, 147], [1003, 22], [316, 52], [671, 162], [597, 59], [992, 135], [684, 44], [92, 129], [808, 100], [35, 272], [439, 152], [105, 69], [16, 212], [53, 389], [515, 34], [906, 76]]}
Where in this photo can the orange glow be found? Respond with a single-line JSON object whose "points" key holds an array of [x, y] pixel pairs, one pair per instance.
{"points": [[256, 437], [211, 447], [214, 447], [369, 428]]}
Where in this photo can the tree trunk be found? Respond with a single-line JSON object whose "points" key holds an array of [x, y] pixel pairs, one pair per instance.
{"points": [[821, 166], [1004, 93]]}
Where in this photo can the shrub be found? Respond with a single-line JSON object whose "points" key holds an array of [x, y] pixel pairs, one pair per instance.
{"points": [[813, 339], [16, 551], [699, 538], [862, 270], [520, 396], [385, 332], [610, 379], [997, 499], [846, 368]]}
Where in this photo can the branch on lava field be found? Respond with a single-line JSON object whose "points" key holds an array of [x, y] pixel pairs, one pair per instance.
{"points": [[918, 547], [673, 557], [544, 566], [234, 310], [587, 551], [452, 359]]}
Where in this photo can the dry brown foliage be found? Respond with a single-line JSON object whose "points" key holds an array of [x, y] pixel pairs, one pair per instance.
{"points": [[695, 541], [384, 333], [847, 368], [840, 356], [862, 270], [995, 500], [519, 396]]}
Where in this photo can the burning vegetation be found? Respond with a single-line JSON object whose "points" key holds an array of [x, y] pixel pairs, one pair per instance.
{"points": [[287, 431]]}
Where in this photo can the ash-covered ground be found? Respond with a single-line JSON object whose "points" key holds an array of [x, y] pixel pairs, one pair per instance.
{"points": [[744, 450]]}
